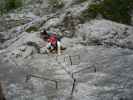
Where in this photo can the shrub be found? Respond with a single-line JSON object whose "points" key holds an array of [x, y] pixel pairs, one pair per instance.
{"points": [[32, 28], [116, 10], [8, 5], [56, 4]]}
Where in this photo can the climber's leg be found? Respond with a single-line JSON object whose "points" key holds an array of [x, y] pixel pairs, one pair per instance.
{"points": [[59, 48]]}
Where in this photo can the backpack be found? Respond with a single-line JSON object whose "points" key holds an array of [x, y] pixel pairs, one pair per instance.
{"points": [[53, 40], [59, 37]]}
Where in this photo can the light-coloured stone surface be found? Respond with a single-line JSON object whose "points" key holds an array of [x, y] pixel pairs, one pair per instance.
{"points": [[106, 32], [96, 65]]}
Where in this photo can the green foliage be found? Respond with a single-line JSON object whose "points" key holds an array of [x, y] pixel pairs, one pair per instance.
{"points": [[116, 10], [8, 5], [56, 3], [30, 29]]}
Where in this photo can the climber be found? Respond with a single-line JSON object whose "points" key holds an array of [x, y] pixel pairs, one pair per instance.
{"points": [[53, 40]]}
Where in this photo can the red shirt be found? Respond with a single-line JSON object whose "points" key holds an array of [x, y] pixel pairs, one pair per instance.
{"points": [[53, 40]]}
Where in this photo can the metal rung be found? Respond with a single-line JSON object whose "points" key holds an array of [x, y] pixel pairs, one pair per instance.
{"points": [[70, 59], [37, 76]]}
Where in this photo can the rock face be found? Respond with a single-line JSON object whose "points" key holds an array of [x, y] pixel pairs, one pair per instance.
{"points": [[106, 32], [97, 64]]}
